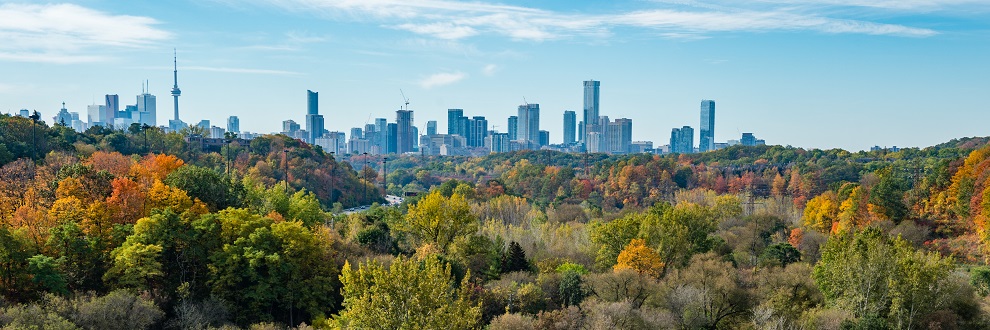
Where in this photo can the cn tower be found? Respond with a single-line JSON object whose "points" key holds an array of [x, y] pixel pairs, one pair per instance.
{"points": [[175, 88]]}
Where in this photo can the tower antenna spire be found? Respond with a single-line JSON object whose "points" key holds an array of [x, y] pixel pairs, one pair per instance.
{"points": [[175, 87]]}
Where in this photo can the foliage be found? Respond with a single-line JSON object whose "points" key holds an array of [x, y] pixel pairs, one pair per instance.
{"points": [[408, 294], [439, 220]]}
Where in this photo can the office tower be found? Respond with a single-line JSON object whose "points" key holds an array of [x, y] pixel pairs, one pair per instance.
{"points": [[529, 123], [404, 138], [146, 110], [333, 142], [748, 139], [544, 138], [391, 140], [175, 86], [570, 119], [96, 114], [356, 133], [25, 113], [580, 131], [591, 93], [381, 126], [431, 127], [639, 147], [205, 124], [314, 120], [513, 128], [110, 108], [371, 134], [477, 131], [682, 140], [706, 133], [289, 127], [63, 117], [454, 122], [233, 124], [619, 136]]}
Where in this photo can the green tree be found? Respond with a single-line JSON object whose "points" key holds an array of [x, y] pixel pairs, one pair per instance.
{"points": [[440, 220], [45, 274], [870, 273], [514, 259], [780, 254], [15, 280], [408, 294], [212, 187], [613, 236]]}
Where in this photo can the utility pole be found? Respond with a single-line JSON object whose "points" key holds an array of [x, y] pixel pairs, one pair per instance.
{"points": [[333, 184], [364, 193], [385, 177], [285, 166], [34, 134]]}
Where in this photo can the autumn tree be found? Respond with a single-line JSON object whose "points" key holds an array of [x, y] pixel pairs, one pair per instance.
{"points": [[640, 258], [439, 220], [408, 294]]}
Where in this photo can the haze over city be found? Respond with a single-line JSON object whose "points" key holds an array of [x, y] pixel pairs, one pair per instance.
{"points": [[824, 74]]}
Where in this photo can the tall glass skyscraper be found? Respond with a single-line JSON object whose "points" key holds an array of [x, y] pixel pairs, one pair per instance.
{"points": [[706, 134], [513, 128], [529, 123], [314, 121], [454, 122], [591, 92], [405, 138], [570, 121]]}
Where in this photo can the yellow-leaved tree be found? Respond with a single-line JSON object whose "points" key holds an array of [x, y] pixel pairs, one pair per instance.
{"points": [[440, 220], [640, 258]]}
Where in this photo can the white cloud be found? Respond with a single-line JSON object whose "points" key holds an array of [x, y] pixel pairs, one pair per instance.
{"points": [[441, 79], [68, 33], [489, 70], [453, 20]]}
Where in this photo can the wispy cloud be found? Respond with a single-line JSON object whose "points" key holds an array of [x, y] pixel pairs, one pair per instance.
{"points": [[68, 33], [241, 70], [489, 70], [441, 79], [453, 20]]}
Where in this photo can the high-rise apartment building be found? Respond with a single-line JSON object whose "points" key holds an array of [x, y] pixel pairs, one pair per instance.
{"points": [[748, 139], [591, 113], [706, 133], [289, 127], [405, 140], [314, 120], [529, 123], [682, 140], [570, 122], [477, 131], [619, 136], [513, 128], [234, 124], [431, 127], [391, 139], [454, 122], [544, 138]]}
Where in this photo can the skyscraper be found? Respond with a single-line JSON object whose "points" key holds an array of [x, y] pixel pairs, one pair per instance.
{"points": [[314, 120], [706, 133], [312, 102], [453, 122], [682, 140], [431, 127], [513, 129], [619, 136], [529, 123], [233, 124], [591, 93], [544, 138], [112, 106], [404, 135], [391, 130], [477, 131], [570, 119], [146, 110]]}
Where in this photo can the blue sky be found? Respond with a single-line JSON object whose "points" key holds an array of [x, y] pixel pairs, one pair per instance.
{"points": [[812, 73]]}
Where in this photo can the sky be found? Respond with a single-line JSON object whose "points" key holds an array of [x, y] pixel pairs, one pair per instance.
{"points": [[845, 74]]}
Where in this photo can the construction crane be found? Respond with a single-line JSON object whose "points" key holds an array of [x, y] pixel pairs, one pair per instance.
{"points": [[404, 98]]}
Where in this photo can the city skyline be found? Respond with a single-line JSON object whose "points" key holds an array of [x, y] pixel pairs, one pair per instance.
{"points": [[876, 72]]}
